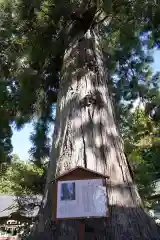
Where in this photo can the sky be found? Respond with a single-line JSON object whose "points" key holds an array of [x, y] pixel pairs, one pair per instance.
{"points": [[21, 142], [156, 64], [20, 139]]}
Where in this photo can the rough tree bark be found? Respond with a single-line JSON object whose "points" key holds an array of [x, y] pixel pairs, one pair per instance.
{"points": [[86, 135]]}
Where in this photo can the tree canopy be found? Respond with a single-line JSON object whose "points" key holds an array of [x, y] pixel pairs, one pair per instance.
{"points": [[22, 178], [142, 146], [34, 36], [25, 181]]}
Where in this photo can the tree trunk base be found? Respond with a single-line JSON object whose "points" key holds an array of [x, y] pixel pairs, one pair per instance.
{"points": [[122, 224]]}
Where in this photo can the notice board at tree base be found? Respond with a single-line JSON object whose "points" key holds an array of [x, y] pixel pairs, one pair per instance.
{"points": [[81, 199]]}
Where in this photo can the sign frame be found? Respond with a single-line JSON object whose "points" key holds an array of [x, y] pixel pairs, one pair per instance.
{"points": [[78, 173]]}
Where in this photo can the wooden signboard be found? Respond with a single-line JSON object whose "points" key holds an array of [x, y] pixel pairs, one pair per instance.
{"points": [[80, 193]]}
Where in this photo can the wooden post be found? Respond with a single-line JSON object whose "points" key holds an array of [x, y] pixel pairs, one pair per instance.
{"points": [[81, 230]]}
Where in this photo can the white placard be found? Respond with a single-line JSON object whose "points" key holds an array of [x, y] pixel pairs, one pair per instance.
{"points": [[81, 198]]}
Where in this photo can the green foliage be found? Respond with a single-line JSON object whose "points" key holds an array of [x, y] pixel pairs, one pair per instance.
{"points": [[22, 178], [25, 181], [142, 145]]}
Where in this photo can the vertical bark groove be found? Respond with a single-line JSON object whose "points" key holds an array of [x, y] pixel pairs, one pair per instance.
{"points": [[84, 147]]}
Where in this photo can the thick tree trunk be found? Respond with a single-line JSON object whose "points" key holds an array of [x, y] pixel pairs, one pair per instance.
{"points": [[86, 135]]}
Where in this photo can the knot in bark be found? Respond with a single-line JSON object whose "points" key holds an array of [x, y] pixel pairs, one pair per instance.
{"points": [[94, 99], [88, 100], [92, 66]]}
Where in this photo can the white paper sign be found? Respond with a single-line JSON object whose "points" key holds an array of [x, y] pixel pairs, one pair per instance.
{"points": [[81, 198]]}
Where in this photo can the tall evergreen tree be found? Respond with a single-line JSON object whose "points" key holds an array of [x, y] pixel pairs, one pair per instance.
{"points": [[93, 55]]}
